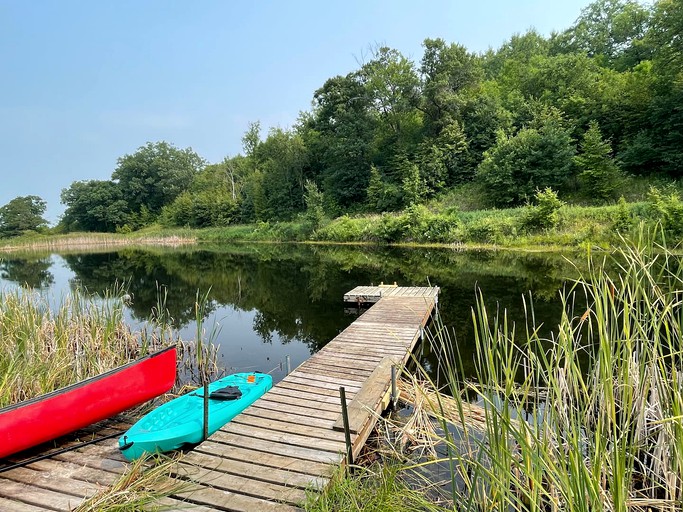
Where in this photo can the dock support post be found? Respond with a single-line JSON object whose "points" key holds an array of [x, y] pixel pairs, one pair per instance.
{"points": [[347, 431], [394, 388], [288, 365], [205, 431]]}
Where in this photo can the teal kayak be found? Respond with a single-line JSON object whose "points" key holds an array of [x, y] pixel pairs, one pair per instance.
{"points": [[180, 422]]}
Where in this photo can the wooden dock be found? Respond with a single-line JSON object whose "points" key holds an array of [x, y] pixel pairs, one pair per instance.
{"points": [[287, 444]]}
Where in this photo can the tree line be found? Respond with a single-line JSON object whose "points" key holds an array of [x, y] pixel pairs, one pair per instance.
{"points": [[576, 111]]}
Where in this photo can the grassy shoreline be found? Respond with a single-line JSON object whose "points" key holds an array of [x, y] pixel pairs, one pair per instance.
{"points": [[547, 225], [527, 229]]}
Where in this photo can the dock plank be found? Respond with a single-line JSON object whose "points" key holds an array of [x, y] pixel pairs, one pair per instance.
{"points": [[9, 505]]}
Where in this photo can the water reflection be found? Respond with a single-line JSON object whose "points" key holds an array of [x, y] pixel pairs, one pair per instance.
{"points": [[270, 299], [29, 272]]}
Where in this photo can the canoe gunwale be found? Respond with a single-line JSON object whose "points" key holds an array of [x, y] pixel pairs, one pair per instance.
{"points": [[82, 383]]}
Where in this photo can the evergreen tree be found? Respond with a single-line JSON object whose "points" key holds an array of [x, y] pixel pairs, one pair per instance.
{"points": [[598, 172]]}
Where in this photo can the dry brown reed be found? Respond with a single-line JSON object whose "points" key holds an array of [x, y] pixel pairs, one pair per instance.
{"points": [[69, 242]]}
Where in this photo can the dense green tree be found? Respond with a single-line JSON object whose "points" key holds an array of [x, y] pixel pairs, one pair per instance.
{"points": [[315, 212], [251, 138], [155, 175], [383, 195], [412, 186], [21, 214], [597, 170], [344, 126], [94, 206], [448, 71], [482, 116], [282, 160], [392, 85], [442, 160], [613, 32], [536, 157], [510, 63], [212, 198], [665, 113], [200, 210]]}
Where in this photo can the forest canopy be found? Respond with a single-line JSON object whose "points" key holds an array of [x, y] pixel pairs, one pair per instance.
{"points": [[576, 111]]}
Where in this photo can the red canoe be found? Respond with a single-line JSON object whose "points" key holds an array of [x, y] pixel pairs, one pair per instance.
{"points": [[64, 410]]}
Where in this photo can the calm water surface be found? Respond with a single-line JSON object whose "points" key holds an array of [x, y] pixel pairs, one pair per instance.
{"points": [[269, 301]]}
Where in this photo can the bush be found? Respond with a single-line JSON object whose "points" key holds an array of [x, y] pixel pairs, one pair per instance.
{"points": [[490, 230], [344, 229], [545, 214], [667, 209]]}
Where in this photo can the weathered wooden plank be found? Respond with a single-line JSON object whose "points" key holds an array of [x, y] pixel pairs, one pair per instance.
{"points": [[313, 433], [93, 461], [313, 388], [336, 368], [32, 495], [289, 417], [265, 459], [179, 505], [9, 505], [397, 352], [75, 471], [301, 441], [275, 446], [356, 367], [331, 382], [378, 330], [51, 481], [328, 399], [337, 351], [240, 485], [199, 460], [300, 406], [365, 402], [223, 500]]}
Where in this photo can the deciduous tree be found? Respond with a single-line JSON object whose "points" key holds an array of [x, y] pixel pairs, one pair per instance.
{"points": [[94, 205], [155, 175], [23, 213]]}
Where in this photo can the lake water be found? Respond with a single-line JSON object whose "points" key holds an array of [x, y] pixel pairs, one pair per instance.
{"points": [[269, 301]]}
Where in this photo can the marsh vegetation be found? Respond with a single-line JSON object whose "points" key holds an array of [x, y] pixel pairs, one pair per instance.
{"points": [[588, 418]]}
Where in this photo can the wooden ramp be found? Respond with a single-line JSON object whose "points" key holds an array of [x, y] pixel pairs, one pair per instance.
{"points": [[291, 440], [287, 444]]}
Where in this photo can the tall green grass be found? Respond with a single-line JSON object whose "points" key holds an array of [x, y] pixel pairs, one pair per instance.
{"points": [[46, 346], [590, 419]]}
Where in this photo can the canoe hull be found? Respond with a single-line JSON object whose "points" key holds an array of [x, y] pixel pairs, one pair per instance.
{"points": [[180, 422], [65, 410]]}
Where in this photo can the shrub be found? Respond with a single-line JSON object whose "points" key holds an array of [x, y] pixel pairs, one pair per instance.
{"points": [[667, 209], [545, 214]]}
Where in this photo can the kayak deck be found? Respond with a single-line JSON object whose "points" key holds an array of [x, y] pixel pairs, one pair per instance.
{"points": [[180, 422]]}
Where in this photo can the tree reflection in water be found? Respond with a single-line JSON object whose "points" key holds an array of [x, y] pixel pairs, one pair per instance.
{"points": [[287, 295]]}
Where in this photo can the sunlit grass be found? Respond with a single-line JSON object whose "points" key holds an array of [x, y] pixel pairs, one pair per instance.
{"points": [[375, 488]]}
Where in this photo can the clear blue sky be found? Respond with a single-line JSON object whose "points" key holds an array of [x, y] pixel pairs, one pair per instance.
{"points": [[85, 82]]}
